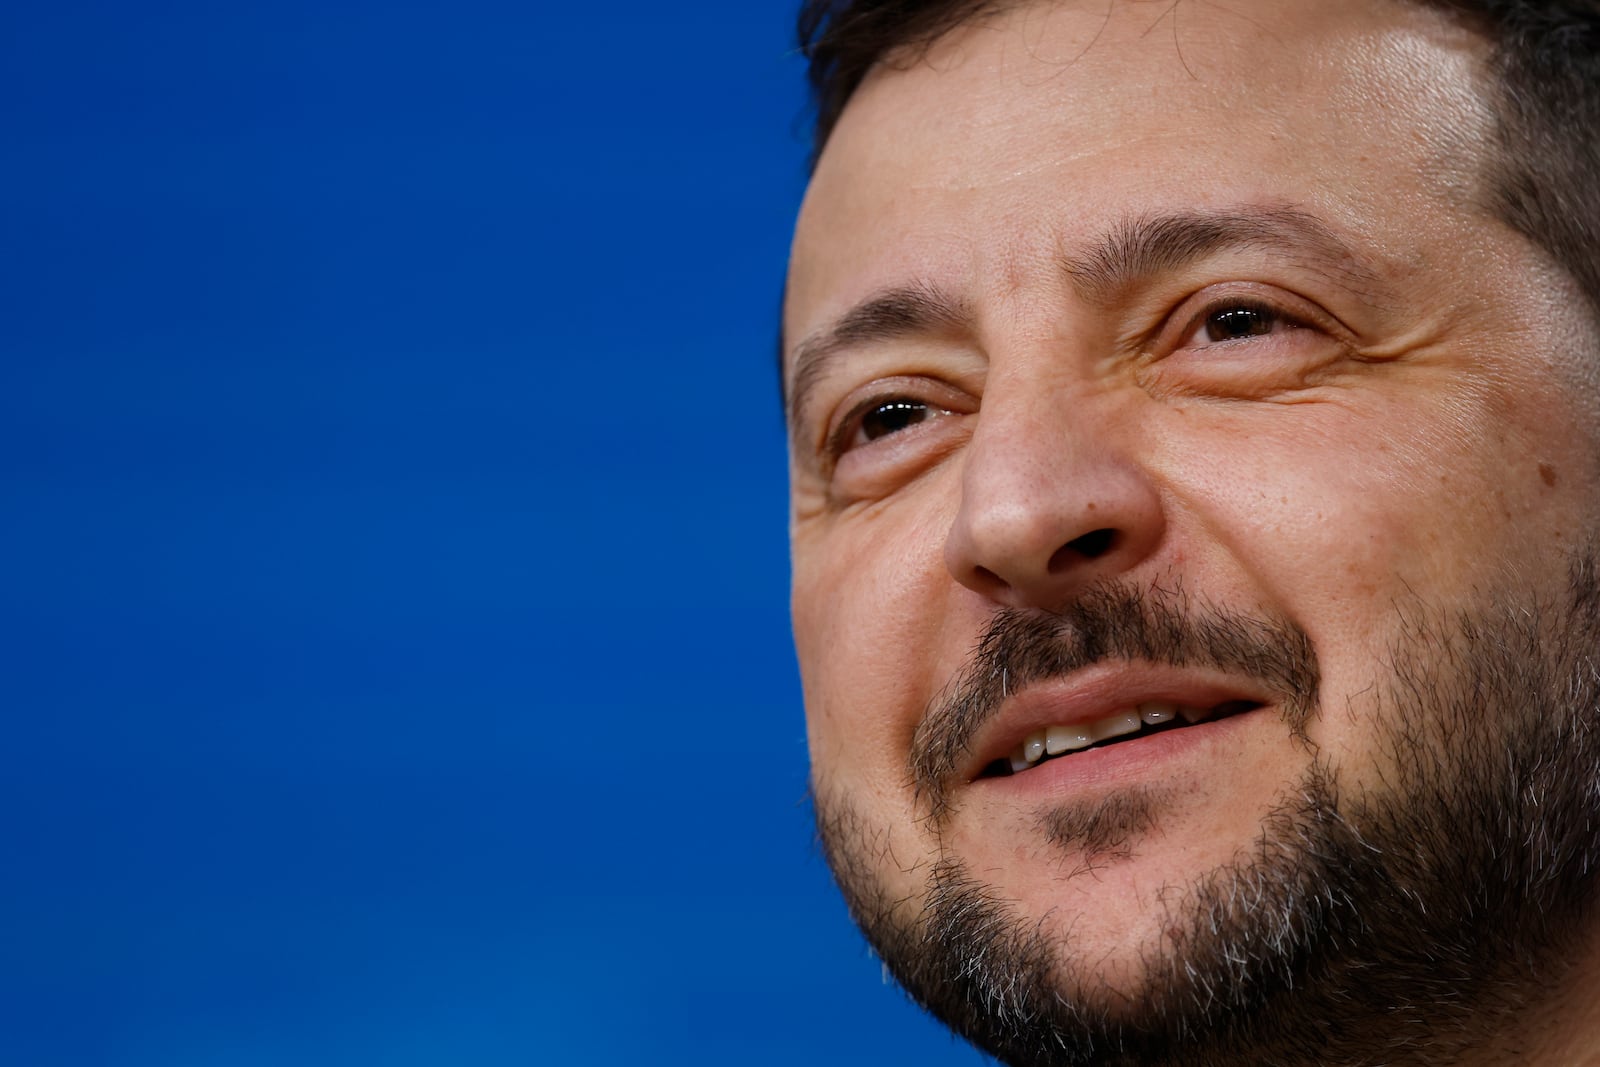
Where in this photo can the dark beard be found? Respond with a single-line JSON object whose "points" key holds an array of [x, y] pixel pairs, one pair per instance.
{"points": [[1401, 926]]}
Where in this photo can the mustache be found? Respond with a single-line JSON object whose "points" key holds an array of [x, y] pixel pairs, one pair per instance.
{"points": [[1109, 622]]}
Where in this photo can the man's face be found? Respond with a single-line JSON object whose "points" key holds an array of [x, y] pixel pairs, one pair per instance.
{"points": [[1177, 337]]}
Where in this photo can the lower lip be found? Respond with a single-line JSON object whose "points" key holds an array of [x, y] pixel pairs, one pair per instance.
{"points": [[1133, 762]]}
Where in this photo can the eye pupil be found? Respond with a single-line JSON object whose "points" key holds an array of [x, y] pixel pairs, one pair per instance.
{"points": [[1230, 324], [892, 417]]}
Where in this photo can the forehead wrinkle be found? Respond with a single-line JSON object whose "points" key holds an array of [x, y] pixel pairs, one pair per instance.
{"points": [[1141, 247]]}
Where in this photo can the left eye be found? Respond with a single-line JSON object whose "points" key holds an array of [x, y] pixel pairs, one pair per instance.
{"points": [[1231, 324], [1237, 322]]}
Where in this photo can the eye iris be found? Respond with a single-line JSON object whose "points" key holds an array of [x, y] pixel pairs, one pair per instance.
{"points": [[889, 418], [1231, 324]]}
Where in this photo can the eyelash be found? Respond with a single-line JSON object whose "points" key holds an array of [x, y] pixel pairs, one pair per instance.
{"points": [[1277, 319], [841, 439], [1264, 315]]}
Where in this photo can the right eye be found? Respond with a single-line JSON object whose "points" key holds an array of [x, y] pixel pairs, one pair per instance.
{"points": [[885, 432], [878, 418], [891, 417]]}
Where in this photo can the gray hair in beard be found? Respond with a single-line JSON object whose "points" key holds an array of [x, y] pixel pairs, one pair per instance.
{"points": [[1109, 622], [1402, 926]]}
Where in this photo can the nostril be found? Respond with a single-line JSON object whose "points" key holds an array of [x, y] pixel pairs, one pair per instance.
{"points": [[1094, 544], [988, 577], [1091, 545]]}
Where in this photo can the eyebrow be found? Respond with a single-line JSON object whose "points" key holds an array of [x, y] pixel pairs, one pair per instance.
{"points": [[916, 310], [1144, 247], [1131, 252]]}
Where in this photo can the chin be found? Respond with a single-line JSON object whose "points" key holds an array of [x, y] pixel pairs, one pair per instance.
{"points": [[1176, 922]]}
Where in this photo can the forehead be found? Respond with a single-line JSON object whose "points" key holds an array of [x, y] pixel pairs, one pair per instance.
{"points": [[1020, 134]]}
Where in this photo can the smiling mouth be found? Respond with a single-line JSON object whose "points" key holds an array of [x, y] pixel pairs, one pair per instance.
{"points": [[1129, 724]]}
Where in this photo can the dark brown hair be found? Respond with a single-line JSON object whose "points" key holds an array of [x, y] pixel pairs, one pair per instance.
{"points": [[1544, 178]]}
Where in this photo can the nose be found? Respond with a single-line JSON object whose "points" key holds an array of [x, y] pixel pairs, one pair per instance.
{"points": [[1048, 507]]}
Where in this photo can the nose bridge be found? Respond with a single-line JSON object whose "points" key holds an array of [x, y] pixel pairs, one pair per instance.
{"points": [[1053, 492]]}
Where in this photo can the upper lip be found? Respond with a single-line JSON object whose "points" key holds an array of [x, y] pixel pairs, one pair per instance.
{"points": [[1095, 693]]}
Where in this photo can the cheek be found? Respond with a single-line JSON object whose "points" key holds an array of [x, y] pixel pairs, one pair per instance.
{"points": [[1341, 515], [870, 607], [1299, 510], [870, 603], [1335, 514]]}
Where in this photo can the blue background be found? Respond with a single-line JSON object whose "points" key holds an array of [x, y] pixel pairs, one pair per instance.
{"points": [[395, 663]]}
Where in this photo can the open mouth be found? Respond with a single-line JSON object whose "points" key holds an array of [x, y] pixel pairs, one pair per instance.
{"points": [[1151, 717]]}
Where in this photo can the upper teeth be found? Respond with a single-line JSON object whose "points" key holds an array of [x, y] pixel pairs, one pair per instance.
{"points": [[1055, 740]]}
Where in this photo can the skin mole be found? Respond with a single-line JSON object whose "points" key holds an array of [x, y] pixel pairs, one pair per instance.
{"points": [[1389, 853]]}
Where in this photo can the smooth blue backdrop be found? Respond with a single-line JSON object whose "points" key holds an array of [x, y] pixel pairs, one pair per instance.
{"points": [[394, 663]]}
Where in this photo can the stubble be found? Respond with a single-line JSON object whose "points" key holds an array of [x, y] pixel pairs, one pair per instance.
{"points": [[1402, 923]]}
